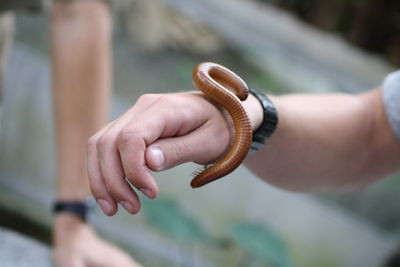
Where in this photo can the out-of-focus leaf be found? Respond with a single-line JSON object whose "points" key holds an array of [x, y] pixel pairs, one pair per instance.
{"points": [[165, 215], [261, 242]]}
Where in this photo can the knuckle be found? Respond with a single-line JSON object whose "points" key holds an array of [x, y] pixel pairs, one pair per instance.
{"points": [[168, 99], [127, 135], [146, 98], [102, 142], [164, 98], [91, 143]]}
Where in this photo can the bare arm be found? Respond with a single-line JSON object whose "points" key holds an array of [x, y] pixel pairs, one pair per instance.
{"points": [[81, 54], [80, 35], [328, 143]]}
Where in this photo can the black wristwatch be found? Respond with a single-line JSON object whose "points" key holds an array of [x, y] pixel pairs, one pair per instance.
{"points": [[78, 208], [269, 123]]}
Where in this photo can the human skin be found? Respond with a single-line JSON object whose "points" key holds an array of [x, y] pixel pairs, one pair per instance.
{"points": [[323, 143], [81, 66], [328, 143]]}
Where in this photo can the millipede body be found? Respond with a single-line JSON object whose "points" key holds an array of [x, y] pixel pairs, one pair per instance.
{"points": [[226, 89]]}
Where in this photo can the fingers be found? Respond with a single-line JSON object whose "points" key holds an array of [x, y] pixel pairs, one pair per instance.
{"points": [[96, 180], [133, 140], [131, 150], [105, 170], [113, 174]]}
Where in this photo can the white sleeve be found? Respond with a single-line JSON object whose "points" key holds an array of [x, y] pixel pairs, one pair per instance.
{"points": [[391, 100]]}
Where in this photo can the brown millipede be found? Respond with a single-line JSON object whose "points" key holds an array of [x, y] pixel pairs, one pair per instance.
{"points": [[225, 88]]}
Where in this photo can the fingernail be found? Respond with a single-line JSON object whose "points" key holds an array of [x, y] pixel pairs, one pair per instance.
{"points": [[158, 157], [104, 205], [128, 206], [148, 193]]}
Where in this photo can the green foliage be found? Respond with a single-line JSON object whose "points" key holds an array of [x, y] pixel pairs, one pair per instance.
{"points": [[262, 243], [165, 215]]}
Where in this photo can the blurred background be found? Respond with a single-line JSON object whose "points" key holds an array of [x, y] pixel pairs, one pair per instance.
{"points": [[279, 46]]}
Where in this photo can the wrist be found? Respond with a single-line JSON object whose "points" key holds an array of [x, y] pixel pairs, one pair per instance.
{"points": [[254, 111], [65, 225], [66, 228], [66, 220]]}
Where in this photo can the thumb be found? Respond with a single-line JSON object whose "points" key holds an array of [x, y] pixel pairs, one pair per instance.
{"points": [[170, 152], [167, 153]]}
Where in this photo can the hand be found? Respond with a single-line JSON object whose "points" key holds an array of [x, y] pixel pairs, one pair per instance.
{"points": [[157, 133], [77, 245]]}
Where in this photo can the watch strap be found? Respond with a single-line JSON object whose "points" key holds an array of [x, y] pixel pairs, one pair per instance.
{"points": [[78, 208], [269, 123]]}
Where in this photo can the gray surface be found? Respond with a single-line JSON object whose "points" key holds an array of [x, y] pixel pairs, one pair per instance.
{"points": [[17, 250]]}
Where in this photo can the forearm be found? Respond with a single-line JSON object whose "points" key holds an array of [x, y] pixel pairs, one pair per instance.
{"points": [[81, 54], [327, 143]]}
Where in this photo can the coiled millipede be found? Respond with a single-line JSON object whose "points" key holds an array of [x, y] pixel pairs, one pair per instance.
{"points": [[226, 89]]}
